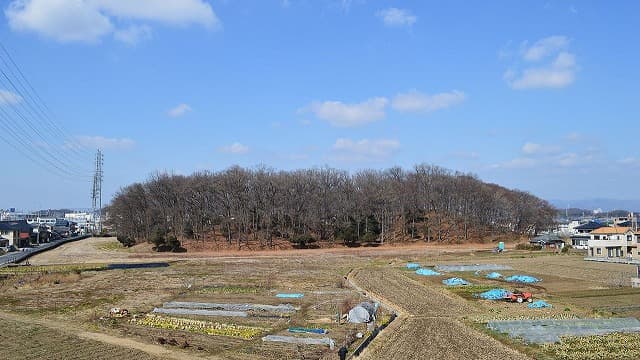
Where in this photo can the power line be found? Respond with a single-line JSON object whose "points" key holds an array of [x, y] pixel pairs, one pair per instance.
{"points": [[42, 106], [26, 105], [31, 116], [21, 147], [21, 133]]}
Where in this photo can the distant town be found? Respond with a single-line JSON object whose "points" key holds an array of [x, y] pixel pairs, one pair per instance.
{"points": [[25, 229], [606, 236]]}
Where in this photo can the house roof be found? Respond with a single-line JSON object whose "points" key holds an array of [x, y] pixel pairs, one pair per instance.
{"points": [[611, 230], [591, 225], [547, 238], [19, 225]]}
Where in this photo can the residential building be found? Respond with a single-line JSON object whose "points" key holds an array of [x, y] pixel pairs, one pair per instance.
{"points": [[614, 242], [580, 238], [588, 227], [552, 241], [17, 232]]}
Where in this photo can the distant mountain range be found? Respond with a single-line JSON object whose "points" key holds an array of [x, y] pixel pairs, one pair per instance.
{"points": [[603, 204]]}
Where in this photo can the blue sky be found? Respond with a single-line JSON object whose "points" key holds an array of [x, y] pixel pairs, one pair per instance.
{"points": [[539, 96]]}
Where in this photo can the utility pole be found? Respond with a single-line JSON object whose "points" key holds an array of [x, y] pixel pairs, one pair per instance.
{"points": [[96, 193]]}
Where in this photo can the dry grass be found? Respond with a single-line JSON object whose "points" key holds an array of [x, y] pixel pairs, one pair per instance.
{"points": [[21, 340]]}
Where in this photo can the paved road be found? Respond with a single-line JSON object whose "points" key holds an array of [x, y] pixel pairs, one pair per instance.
{"points": [[25, 253]]}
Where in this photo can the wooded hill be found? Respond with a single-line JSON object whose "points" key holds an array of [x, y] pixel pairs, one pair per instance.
{"points": [[324, 204]]}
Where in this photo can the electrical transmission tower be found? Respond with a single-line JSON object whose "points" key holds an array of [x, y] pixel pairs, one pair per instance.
{"points": [[96, 193]]}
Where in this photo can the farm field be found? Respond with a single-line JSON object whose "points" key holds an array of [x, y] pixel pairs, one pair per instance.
{"points": [[70, 301]]}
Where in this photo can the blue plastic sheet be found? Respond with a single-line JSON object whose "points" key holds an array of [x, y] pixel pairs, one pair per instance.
{"points": [[290, 296], [494, 294], [493, 275], [413, 266], [455, 281], [307, 330], [539, 304], [522, 279], [427, 272]]}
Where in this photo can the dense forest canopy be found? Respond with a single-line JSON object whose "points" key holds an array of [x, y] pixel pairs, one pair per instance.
{"points": [[325, 204]]}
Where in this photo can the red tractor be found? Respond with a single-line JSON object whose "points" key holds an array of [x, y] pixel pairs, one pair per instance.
{"points": [[519, 296]]}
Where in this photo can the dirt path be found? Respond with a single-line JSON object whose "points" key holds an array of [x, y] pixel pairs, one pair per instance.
{"points": [[429, 324], [156, 351], [97, 250]]}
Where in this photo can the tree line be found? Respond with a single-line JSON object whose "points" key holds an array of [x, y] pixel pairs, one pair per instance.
{"points": [[261, 204]]}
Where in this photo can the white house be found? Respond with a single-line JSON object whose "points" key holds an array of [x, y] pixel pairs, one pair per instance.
{"points": [[614, 242]]}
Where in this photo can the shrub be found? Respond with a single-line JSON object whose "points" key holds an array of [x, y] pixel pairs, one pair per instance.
{"points": [[525, 246], [566, 249], [303, 240], [173, 243], [126, 241], [157, 238]]}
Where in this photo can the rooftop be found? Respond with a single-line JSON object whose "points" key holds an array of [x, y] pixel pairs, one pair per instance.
{"points": [[611, 230]]}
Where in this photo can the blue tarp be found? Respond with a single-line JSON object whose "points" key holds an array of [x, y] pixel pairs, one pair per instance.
{"points": [[307, 330], [493, 275], [413, 266], [455, 281], [522, 279], [539, 304], [494, 294], [290, 296], [427, 272]]}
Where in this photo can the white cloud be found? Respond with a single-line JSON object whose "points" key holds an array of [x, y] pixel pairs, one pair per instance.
{"points": [[101, 142], [418, 102], [182, 12], [347, 115], [466, 155], [235, 148], [90, 20], [531, 148], [574, 136], [394, 17], [179, 110], [364, 150], [629, 161], [296, 156], [558, 71], [133, 34], [9, 98], [548, 77], [545, 47], [568, 160], [61, 20], [517, 163]]}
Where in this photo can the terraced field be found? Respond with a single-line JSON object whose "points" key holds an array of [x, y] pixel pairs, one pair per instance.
{"points": [[430, 325], [410, 296], [438, 338]]}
